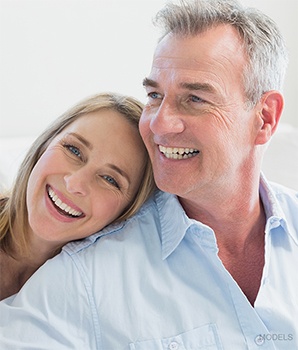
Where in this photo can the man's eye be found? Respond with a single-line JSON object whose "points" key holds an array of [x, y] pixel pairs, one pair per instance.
{"points": [[153, 95], [111, 180], [194, 98], [74, 150]]}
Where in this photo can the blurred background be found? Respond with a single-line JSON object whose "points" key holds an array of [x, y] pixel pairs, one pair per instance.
{"points": [[55, 52]]}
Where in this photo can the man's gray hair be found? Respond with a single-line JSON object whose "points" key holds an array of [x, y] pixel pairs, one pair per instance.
{"points": [[262, 40]]}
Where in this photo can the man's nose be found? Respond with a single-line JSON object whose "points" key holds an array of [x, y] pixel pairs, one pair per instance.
{"points": [[166, 120]]}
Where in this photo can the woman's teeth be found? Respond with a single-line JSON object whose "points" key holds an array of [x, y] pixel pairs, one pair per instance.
{"points": [[178, 152], [66, 208]]}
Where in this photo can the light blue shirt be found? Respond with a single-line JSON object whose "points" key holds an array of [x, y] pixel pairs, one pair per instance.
{"points": [[155, 282]]}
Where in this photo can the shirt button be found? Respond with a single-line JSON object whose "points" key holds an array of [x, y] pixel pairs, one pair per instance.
{"points": [[259, 340], [274, 222], [173, 346]]}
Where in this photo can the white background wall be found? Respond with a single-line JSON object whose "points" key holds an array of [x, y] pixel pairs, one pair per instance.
{"points": [[53, 53]]}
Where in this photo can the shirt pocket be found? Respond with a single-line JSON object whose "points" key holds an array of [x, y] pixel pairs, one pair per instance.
{"points": [[203, 338]]}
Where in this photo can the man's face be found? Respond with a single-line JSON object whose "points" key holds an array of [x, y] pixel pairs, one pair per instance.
{"points": [[195, 125]]}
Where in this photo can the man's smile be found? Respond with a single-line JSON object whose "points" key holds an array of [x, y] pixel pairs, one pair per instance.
{"points": [[178, 152]]}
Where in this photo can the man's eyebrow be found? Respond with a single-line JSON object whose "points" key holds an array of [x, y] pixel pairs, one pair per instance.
{"points": [[198, 86], [149, 82], [188, 86], [81, 139]]}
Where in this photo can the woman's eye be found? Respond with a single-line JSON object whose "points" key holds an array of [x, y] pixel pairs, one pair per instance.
{"points": [[74, 150], [111, 180]]}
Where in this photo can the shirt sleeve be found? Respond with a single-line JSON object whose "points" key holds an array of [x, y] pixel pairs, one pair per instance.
{"points": [[52, 311]]}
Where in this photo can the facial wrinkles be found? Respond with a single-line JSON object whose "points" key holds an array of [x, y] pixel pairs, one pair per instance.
{"points": [[218, 106], [210, 66], [215, 56], [221, 72], [179, 74]]}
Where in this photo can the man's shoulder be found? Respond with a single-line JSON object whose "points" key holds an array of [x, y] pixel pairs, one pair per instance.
{"points": [[284, 194]]}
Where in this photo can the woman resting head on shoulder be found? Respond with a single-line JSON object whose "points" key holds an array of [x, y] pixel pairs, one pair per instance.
{"points": [[87, 170]]}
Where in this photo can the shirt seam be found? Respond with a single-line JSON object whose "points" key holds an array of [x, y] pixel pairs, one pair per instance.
{"points": [[91, 300]]}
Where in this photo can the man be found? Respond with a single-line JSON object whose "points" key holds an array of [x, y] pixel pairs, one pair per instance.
{"points": [[210, 263]]}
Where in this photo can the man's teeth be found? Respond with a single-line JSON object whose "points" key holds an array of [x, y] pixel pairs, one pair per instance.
{"points": [[178, 152], [68, 210]]}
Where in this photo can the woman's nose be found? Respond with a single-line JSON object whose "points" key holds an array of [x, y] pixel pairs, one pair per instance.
{"points": [[77, 182]]}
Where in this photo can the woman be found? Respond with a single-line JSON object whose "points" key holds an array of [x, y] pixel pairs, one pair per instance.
{"points": [[88, 169]]}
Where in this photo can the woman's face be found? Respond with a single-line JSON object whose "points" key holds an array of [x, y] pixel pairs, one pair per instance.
{"points": [[84, 180]]}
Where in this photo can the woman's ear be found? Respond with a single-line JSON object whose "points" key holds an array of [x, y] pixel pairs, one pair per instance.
{"points": [[268, 115]]}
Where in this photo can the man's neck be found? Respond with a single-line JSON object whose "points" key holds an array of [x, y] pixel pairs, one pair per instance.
{"points": [[239, 225], [232, 212]]}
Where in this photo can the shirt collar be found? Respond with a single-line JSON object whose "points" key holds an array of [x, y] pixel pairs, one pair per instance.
{"points": [[271, 205], [175, 223], [275, 215], [173, 220]]}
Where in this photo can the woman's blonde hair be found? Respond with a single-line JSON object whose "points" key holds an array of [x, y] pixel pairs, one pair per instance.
{"points": [[14, 206]]}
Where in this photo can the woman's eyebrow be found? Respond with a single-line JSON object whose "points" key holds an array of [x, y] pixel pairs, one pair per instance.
{"points": [[82, 140]]}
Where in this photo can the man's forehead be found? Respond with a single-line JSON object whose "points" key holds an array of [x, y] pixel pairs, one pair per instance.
{"points": [[172, 62], [215, 46]]}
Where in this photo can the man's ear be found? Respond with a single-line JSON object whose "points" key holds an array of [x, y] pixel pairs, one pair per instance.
{"points": [[269, 112]]}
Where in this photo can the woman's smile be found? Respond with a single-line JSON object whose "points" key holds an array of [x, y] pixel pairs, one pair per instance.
{"points": [[63, 205]]}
